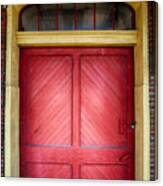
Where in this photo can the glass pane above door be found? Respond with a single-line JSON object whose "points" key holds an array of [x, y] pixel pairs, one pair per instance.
{"points": [[80, 16]]}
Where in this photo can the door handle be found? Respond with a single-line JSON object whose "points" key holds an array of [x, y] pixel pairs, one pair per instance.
{"points": [[132, 125]]}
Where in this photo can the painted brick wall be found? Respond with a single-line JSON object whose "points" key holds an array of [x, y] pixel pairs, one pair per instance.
{"points": [[152, 23], [3, 64]]}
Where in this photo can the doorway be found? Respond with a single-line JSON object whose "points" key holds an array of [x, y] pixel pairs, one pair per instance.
{"points": [[76, 111]]}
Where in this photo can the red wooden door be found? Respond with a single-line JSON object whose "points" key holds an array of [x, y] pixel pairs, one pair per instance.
{"points": [[76, 111]]}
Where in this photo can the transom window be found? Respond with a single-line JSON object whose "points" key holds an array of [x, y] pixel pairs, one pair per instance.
{"points": [[80, 16]]}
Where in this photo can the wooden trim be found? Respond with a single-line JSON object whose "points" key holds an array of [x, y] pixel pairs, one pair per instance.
{"points": [[77, 38], [12, 132], [12, 97], [142, 138], [138, 39]]}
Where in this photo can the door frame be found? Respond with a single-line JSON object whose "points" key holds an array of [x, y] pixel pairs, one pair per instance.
{"points": [[138, 39]]}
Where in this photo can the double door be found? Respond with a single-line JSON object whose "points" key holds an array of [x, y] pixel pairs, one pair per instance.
{"points": [[76, 109]]}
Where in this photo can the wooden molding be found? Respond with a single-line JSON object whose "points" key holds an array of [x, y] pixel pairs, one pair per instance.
{"points": [[77, 38], [142, 135], [12, 97]]}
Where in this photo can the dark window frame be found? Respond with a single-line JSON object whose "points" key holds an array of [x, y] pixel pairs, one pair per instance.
{"points": [[114, 10]]}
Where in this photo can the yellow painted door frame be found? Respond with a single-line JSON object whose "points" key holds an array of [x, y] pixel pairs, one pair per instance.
{"points": [[138, 39]]}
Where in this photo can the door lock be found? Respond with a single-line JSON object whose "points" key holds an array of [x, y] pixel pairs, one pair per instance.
{"points": [[132, 125]]}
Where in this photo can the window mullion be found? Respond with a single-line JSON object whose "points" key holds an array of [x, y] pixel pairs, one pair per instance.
{"points": [[75, 16], [57, 17], [38, 18], [94, 16]]}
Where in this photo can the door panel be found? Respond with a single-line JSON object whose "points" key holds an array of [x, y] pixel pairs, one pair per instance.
{"points": [[48, 99], [76, 106], [103, 101], [110, 172], [48, 170]]}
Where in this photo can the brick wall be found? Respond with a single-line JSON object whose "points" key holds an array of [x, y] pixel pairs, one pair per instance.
{"points": [[152, 24], [3, 64]]}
